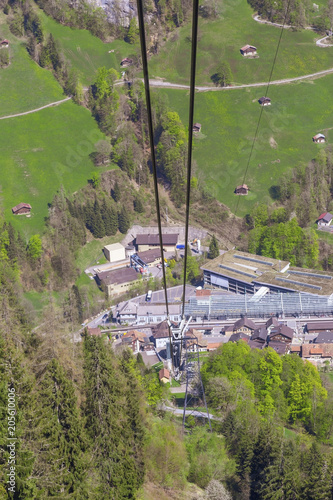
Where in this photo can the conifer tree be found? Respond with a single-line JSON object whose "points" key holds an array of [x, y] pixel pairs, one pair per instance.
{"points": [[88, 215], [98, 228], [116, 193], [213, 248], [111, 422], [138, 205], [318, 474], [123, 221], [58, 434]]}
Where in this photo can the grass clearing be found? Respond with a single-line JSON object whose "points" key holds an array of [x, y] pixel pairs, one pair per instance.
{"points": [[221, 40], [229, 120], [39, 153], [86, 52], [38, 300], [24, 84], [92, 252]]}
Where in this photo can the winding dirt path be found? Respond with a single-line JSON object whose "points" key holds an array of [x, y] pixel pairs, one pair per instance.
{"points": [[168, 85], [56, 103], [319, 43]]}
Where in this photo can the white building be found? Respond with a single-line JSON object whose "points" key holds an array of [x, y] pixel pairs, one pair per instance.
{"points": [[114, 252]]}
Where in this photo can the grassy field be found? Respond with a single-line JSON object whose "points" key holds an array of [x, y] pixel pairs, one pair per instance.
{"points": [[24, 85], [39, 300], [39, 153], [85, 52], [92, 252], [221, 40], [229, 120]]}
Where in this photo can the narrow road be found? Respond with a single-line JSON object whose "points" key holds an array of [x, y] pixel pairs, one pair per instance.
{"points": [[286, 26], [56, 103], [168, 85], [319, 43]]}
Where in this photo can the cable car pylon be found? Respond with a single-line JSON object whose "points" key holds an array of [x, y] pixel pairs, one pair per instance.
{"points": [[184, 363]]}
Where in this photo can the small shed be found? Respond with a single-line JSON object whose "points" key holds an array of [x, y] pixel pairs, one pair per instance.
{"points": [[319, 138], [21, 209], [264, 101], [248, 50], [114, 252], [164, 375], [242, 190], [126, 62], [4, 43], [196, 127]]}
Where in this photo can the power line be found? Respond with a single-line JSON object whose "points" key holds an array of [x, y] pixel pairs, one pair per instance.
{"points": [[152, 145], [262, 108]]}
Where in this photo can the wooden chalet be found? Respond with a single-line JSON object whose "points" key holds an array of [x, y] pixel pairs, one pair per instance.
{"points": [[244, 325], [126, 62], [281, 333], [21, 209], [265, 101], [196, 127], [248, 50], [319, 138], [242, 190]]}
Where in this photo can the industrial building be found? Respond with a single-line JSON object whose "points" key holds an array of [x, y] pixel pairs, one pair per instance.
{"points": [[245, 273], [151, 241], [117, 281]]}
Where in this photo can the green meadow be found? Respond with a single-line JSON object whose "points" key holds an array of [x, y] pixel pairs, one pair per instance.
{"points": [[220, 40], [24, 85], [39, 153], [85, 52], [229, 120]]}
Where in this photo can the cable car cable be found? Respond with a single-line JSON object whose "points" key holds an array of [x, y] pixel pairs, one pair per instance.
{"points": [[152, 146], [262, 108]]}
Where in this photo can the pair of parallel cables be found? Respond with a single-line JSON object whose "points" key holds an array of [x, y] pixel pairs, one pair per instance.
{"points": [[195, 16]]}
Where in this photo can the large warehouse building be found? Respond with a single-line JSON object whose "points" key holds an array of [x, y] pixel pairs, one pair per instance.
{"points": [[241, 272]]}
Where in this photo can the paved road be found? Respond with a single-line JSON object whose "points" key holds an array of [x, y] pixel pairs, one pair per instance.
{"points": [[56, 103]]}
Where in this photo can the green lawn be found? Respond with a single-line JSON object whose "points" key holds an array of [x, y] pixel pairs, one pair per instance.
{"points": [[221, 40], [86, 52], [39, 153], [24, 85], [229, 120]]}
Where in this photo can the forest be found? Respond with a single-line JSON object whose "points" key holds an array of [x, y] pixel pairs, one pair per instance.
{"points": [[90, 421]]}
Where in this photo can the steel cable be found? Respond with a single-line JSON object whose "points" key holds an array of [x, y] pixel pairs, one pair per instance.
{"points": [[262, 108]]}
